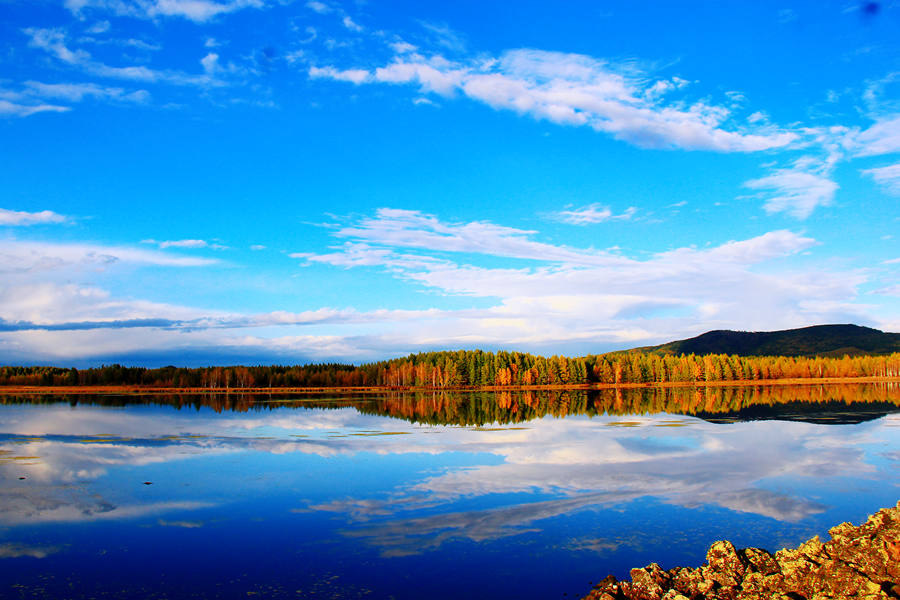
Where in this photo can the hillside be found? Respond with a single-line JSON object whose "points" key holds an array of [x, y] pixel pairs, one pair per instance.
{"points": [[818, 340]]}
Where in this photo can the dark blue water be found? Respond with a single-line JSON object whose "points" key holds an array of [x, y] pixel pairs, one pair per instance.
{"points": [[288, 501]]}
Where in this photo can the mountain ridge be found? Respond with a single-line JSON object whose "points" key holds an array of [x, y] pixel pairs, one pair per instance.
{"points": [[816, 340]]}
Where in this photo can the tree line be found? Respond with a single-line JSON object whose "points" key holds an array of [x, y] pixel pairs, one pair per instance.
{"points": [[469, 368]]}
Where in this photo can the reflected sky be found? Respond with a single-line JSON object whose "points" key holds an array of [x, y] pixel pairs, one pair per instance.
{"points": [[381, 505]]}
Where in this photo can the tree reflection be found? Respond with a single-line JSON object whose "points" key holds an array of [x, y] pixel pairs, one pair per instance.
{"points": [[816, 403]]}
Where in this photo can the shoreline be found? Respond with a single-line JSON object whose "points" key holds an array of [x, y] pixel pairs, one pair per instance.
{"points": [[138, 389]]}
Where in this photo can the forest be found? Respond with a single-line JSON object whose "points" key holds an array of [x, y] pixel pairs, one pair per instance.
{"points": [[470, 369]]}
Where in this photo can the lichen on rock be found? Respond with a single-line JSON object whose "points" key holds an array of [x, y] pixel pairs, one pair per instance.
{"points": [[860, 563]]}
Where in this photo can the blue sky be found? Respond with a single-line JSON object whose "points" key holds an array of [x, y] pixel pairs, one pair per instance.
{"points": [[199, 181]]}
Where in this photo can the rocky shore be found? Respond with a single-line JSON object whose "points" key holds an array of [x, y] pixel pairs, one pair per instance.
{"points": [[858, 562]]}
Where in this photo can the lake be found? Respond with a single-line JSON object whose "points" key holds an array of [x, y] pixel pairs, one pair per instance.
{"points": [[423, 495]]}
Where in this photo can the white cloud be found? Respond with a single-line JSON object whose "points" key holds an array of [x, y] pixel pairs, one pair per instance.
{"points": [[76, 92], [41, 304], [98, 27], [27, 256], [881, 138], [124, 42], [795, 191], [53, 41], [414, 229], [764, 247], [53, 308], [294, 56], [215, 69], [34, 96], [888, 177], [210, 63], [891, 290], [198, 11], [18, 217], [351, 24], [581, 294], [591, 214], [319, 7], [356, 76], [579, 90], [178, 243], [13, 109], [188, 243], [432, 76], [402, 47], [443, 35], [664, 86]]}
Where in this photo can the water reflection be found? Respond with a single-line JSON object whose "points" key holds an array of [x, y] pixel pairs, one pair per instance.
{"points": [[845, 403], [623, 472]]}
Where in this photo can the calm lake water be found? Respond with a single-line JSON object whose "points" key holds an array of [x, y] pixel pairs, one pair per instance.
{"points": [[528, 495]]}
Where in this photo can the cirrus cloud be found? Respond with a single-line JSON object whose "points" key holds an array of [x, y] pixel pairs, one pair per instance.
{"points": [[591, 214], [19, 217], [888, 177], [198, 11], [578, 90], [794, 191]]}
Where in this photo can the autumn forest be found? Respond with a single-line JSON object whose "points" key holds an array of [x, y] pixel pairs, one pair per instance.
{"points": [[471, 369]]}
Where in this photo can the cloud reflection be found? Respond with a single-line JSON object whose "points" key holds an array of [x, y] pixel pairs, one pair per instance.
{"points": [[75, 504], [16, 550], [554, 466]]}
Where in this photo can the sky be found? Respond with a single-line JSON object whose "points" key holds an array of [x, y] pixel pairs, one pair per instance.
{"points": [[197, 182]]}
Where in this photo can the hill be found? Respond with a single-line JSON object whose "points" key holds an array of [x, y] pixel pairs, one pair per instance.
{"points": [[818, 340]]}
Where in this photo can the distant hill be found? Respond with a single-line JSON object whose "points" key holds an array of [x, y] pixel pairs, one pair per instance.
{"points": [[819, 340]]}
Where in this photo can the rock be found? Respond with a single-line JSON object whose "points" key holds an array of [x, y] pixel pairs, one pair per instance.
{"points": [[858, 563], [759, 561], [725, 566]]}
